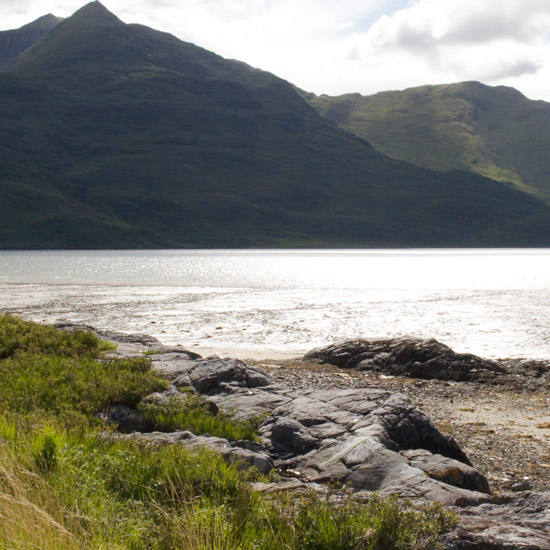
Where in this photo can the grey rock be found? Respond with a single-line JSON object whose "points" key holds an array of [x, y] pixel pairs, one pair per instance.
{"points": [[352, 436], [360, 437], [220, 375], [243, 404], [510, 522], [407, 356], [144, 340], [370, 440], [174, 367], [125, 419], [447, 470], [290, 437], [159, 398], [235, 451]]}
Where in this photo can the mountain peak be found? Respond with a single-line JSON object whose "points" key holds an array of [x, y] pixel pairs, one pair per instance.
{"points": [[45, 22], [72, 40], [15, 41], [96, 12]]}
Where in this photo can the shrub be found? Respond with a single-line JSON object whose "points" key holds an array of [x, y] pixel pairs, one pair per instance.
{"points": [[71, 387], [338, 522], [16, 334]]}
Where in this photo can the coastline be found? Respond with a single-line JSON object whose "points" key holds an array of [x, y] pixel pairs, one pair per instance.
{"points": [[458, 430], [492, 303], [503, 429]]}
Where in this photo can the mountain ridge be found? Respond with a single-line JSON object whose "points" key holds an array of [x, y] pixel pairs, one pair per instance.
{"points": [[15, 41], [119, 136], [494, 131]]}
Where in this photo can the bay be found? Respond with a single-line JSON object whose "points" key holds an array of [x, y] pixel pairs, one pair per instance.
{"points": [[259, 303]]}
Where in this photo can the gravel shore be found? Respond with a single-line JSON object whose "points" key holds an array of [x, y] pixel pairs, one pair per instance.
{"points": [[504, 431]]}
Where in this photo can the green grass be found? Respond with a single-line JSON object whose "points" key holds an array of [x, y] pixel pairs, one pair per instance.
{"points": [[66, 483], [16, 334], [314, 522], [191, 412], [66, 374]]}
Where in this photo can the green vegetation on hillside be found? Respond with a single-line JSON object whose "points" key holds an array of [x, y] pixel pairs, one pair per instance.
{"points": [[493, 131], [66, 482], [119, 136]]}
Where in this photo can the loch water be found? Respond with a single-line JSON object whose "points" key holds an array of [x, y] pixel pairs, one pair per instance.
{"points": [[494, 303]]}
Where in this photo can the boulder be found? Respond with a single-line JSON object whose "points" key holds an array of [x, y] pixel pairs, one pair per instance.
{"points": [[174, 366], [447, 470], [360, 437]]}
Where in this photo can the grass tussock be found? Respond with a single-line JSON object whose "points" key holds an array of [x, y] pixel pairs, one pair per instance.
{"points": [[63, 485]]}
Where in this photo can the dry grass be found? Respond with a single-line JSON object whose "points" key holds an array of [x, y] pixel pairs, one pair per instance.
{"points": [[30, 514]]}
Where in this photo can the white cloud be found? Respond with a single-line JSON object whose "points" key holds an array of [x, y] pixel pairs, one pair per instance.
{"points": [[435, 41], [350, 45]]}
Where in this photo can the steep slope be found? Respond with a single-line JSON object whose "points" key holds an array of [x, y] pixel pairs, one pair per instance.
{"points": [[115, 135], [493, 131], [16, 41]]}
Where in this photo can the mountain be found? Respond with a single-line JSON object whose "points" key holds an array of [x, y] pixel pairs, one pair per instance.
{"points": [[16, 41], [493, 131], [120, 136]]}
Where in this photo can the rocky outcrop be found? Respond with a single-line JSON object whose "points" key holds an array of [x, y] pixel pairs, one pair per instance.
{"points": [[358, 437], [131, 344], [429, 359], [368, 439]]}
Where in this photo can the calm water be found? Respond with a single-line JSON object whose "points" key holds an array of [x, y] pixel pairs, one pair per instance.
{"points": [[494, 303]]}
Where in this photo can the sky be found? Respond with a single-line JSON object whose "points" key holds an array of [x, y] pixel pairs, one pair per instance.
{"points": [[341, 46]]}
